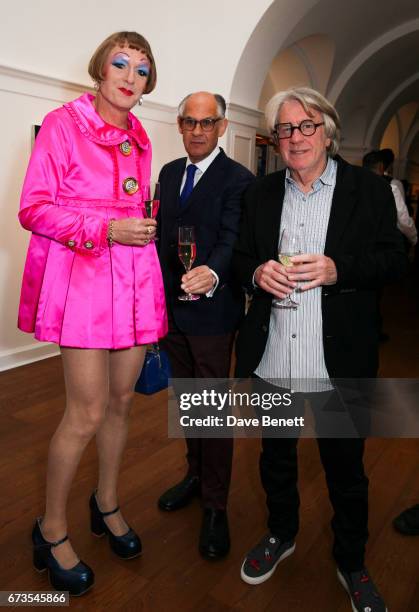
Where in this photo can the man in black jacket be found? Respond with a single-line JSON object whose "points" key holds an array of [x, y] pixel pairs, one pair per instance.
{"points": [[202, 190], [346, 219]]}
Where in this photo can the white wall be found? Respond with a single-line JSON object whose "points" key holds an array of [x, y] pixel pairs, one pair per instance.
{"points": [[195, 46]]}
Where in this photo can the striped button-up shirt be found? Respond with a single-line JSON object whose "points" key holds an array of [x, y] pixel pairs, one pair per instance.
{"points": [[294, 350]]}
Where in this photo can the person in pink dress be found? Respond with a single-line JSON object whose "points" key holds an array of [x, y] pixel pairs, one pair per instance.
{"points": [[92, 284]]}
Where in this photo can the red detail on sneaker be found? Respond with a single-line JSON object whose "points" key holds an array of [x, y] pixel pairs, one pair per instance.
{"points": [[357, 595], [365, 579], [268, 556], [254, 563]]}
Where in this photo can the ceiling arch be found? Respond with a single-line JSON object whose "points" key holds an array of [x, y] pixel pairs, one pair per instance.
{"points": [[366, 53], [405, 92], [385, 82], [266, 40], [307, 62], [368, 68], [410, 139]]}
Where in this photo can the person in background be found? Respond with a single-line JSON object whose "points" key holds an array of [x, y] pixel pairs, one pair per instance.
{"points": [[387, 156], [92, 284], [346, 218], [202, 190], [376, 162]]}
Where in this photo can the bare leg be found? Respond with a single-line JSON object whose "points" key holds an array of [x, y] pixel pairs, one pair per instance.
{"points": [[124, 369], [87, 388]]}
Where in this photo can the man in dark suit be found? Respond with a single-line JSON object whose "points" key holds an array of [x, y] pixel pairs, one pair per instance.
{"points": [[346, 217], [202, 190]]}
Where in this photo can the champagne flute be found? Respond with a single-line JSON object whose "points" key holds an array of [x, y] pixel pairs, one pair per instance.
{"points": [[289, 244], [187, 254], [150, 203]]}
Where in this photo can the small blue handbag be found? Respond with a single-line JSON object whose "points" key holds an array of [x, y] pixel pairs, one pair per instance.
{"points": [[156, 371]]}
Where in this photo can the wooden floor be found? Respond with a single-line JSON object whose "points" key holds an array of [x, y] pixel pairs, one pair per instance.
{"points": [[171, 576]]}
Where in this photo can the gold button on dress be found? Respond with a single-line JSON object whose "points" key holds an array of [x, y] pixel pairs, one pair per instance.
{"points": [[125, 148], [130, 185]]}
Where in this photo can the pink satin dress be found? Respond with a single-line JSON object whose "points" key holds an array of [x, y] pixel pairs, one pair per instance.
{"points": [[76, 290]]}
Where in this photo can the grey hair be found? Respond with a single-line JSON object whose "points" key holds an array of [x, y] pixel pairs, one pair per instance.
{"points": [[221, 105], [309, 99]]}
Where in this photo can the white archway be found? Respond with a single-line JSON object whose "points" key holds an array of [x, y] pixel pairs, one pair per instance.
{"points": [[267, 38], [371, 136], [366, 53]]}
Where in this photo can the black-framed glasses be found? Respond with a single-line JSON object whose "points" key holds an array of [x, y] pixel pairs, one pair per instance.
{"points": [[207, 124], [286, 130]]}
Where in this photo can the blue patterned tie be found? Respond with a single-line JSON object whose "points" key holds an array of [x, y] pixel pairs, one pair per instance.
{"points": [[188, 186]]}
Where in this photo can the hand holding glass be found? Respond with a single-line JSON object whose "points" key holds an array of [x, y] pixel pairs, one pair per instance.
{"points": [[150, 204], [289, 244], [187, 254]]}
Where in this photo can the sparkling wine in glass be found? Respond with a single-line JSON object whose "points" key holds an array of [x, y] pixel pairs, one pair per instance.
{"points": [[151, 200], [187, 254], [290, 244]]}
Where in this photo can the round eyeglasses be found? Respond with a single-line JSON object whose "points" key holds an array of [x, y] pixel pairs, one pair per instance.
{"points": [[207, 124], [286, 130]]}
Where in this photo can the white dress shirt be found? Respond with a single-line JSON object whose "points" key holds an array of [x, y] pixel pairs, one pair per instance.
{"points": [[405, 222], [294, 353], [202, 166]]}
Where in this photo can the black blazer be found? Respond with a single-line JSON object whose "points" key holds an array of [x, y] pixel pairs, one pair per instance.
{"points": [[367, 248], [214, 209]]}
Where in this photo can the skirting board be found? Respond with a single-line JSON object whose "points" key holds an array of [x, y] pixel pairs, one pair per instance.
{"points": [[27, 354]]}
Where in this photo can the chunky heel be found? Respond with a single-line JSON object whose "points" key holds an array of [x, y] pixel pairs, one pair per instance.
{"points": [[127, 546], [39, 561], [76, 580], [96, 525]]}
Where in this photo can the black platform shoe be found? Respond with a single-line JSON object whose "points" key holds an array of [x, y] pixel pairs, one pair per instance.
{"points": [[77, 580], [126, 546]]}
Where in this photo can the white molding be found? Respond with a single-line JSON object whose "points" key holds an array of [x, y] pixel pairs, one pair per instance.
{"points": [[243, 115], [153, 111], [15, 80], [249, 135], [34, 77], [27, 354]]}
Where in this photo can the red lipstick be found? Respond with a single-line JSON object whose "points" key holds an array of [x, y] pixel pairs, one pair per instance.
{"points": [[126, 92]]}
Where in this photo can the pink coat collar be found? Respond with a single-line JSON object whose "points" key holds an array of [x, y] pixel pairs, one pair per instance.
{"points": [[91, 124]]}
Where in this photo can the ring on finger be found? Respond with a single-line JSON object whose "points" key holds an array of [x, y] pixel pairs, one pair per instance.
{"points": [[149, 230]]}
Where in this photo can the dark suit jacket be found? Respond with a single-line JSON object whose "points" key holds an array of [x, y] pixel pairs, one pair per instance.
{"points": [[367, 248], [214, 209]]}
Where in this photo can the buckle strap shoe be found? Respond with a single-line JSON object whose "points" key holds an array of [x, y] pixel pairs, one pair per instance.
{"points": [[214, 539], [262, 560], [407, 522], [76, 580], [180, 495], [126, 546], [362, 591]]}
